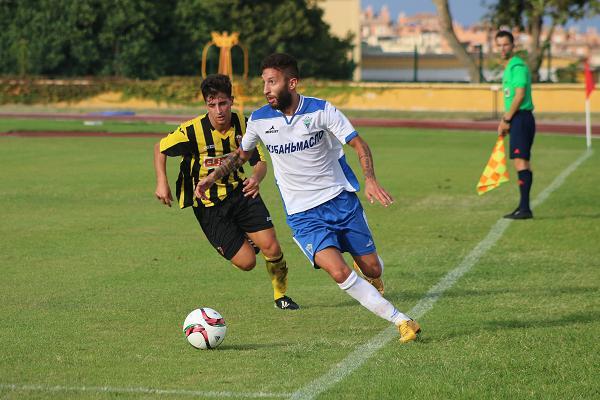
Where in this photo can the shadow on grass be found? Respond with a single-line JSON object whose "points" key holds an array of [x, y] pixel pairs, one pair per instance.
{"points": [[251, 346], [566, 320], [565, 217], [530, 292], [495, 326]]}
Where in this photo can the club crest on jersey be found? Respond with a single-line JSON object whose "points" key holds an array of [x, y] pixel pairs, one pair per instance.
{"points": [[307, 122], [272, 130], [309, 248]]}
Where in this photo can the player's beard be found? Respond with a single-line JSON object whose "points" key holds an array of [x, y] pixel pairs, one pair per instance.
{"points": [[284, 100]]}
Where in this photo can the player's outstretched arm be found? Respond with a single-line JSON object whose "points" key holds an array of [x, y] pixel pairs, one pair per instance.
{"points": [[163, 191], [233, 161], [373, 190]]}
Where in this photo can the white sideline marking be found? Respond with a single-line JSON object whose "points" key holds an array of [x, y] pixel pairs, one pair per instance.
{"points": [[355, 359], [138, 390]]}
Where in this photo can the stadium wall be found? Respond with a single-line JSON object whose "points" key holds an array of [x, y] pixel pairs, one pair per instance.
{"points": [[176, 92], [460, 97]]}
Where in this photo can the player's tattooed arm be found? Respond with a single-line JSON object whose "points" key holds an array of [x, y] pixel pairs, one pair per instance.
{"points": [[373, 190], [365, 157], [230, 163]]}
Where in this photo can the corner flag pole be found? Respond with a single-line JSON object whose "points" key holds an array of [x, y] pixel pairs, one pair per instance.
{"points": [[589, 88], [588, 124]]}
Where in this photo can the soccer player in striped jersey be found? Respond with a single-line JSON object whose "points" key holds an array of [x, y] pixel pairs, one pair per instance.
{"points": [[305, 138], [232, 214]]}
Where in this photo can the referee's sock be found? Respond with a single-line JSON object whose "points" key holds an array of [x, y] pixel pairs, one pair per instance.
{"points": [[525, 182]]}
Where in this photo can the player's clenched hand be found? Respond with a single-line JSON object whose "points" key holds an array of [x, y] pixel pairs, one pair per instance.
{"points": [[163, 193], [202, 186], [374, 191], [251, 187]]}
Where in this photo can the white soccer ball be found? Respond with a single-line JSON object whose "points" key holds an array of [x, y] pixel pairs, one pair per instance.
{"points": [[204, 328]]}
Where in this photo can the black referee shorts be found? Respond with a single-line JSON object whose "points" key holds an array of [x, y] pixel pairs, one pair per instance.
{"points": [[225, 224], [522, 132]]}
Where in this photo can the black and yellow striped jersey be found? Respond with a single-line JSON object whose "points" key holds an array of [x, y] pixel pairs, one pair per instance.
{"points": [[202, 148]]}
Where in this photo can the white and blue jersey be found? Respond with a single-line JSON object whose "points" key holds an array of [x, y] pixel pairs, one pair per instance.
{"points": [[316, 184], [306, 150]]}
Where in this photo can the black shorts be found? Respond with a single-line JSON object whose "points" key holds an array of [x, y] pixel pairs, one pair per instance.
{"points": [[225, 224], [522, 132]]}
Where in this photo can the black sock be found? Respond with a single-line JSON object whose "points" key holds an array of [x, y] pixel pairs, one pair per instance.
{"points": [[525, 182]]}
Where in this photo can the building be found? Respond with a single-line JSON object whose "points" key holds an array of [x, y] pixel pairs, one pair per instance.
{"points": [[343, 16]]}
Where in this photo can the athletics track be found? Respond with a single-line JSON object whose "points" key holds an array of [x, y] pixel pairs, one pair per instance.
{"points": [[568, 128]]}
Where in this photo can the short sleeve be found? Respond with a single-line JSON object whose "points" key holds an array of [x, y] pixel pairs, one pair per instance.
{"points": [[250, 138], [519, 76], [338, 124], [176, 143]]}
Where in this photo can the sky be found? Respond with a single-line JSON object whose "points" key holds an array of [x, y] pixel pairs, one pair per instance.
{"points": [[467, 12]]}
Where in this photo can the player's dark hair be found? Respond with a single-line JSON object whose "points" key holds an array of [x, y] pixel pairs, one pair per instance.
{"points": [[506, 34], [216, 83], [282, 62]]}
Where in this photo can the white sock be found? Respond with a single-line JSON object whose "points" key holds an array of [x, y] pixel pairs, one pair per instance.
{"points": [[371, 299]]}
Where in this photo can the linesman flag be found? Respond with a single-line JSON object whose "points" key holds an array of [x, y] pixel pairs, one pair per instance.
{"points": [[495, 171]]}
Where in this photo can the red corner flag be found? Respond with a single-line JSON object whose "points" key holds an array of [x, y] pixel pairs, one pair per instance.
{"points": [[590, 85]]}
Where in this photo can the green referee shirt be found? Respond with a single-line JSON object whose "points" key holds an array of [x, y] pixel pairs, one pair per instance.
{"points": [[517, 75]]}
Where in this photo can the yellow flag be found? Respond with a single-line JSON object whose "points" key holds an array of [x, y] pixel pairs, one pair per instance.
{"points": [[495, 171]]}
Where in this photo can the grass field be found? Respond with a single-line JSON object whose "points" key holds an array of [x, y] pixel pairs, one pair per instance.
{"points": [[97, 278], [17, 124]]}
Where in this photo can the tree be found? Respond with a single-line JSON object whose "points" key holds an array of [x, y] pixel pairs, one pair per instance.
{"points": [[292, 26], [152, 38], [458, 49], [530, 16]]}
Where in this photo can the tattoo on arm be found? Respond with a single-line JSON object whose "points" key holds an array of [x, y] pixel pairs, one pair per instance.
{"points": [[366, 161], [228, 164]]}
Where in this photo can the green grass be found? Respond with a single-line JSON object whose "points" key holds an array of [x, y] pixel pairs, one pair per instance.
{"points": [[97, 277], [16, 124]]}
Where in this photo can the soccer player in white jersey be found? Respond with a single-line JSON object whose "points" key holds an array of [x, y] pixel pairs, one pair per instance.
{"points": [[304, 137]]}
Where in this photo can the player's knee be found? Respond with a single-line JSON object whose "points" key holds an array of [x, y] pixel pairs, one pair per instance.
{"points": [[244, 260], [372, 269], [340, 274], [271, 249], [521, 164], [244, 265]]}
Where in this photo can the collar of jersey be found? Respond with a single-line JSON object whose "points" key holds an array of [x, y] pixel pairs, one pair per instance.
{"points": [[226, 134], [300, 104], [216, 131]]}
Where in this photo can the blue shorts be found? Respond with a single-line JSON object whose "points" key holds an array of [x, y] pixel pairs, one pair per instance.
{"points": [[339, 222], [522, 132]]}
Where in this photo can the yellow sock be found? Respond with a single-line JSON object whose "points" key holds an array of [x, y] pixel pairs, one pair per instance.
{"points": [[277, 269]]}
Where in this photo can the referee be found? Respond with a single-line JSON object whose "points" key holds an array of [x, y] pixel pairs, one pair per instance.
{"points": [[518, 118]]}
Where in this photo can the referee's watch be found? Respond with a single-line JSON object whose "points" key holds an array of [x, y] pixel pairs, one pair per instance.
{"points": [[506, 120]]}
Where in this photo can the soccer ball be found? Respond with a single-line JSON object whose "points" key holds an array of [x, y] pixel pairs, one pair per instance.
{"points": [[204, 328]]}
